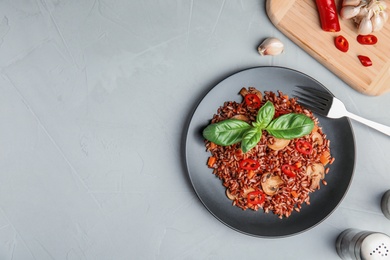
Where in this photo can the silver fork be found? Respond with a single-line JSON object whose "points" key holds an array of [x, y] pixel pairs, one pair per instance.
{"points": [[327, 105]]}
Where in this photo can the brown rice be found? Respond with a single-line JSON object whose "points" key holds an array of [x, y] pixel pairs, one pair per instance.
{"points": [[294, 191]]}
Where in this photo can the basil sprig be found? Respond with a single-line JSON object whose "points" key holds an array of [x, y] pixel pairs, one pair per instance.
{"points": [[231, 131]]}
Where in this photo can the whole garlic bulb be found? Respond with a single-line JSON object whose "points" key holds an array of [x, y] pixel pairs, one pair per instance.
{"points": [[271, 46], [369, 15]]}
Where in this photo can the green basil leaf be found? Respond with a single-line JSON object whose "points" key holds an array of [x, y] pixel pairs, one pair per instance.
{"points": [[250, 139], [227, 132], [290, 126], [265, 114]]}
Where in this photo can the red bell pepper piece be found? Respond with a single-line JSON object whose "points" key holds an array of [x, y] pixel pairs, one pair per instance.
{"points": [[252, 100], [367, 39], [249, 164], [365, 61], [255, 197], [304, 147], [328, 15], [341, 43]]}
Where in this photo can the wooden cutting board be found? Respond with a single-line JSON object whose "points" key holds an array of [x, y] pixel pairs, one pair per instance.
{"points": [[299, 21]]}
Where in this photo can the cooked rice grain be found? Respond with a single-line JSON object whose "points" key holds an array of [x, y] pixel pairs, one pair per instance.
{"points": [[226, 168]]}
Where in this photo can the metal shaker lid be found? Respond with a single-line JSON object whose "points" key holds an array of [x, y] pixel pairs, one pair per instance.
{"points": [[375, 246]]}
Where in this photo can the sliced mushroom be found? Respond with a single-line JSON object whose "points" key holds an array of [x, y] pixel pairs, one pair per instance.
{"points": [[241, 117], [246, 191], [230, 195], [243, 92], [317, 138], [257, 92], [316, 172], [277, 143], [271, 184]]}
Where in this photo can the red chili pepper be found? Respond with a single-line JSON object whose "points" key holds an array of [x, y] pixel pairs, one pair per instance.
{"points": [[328, 15], [252, 100], [249, 164], [255, 197], [304, 147], [365, 61], [289, 170], [341, 43], [367, 39]]}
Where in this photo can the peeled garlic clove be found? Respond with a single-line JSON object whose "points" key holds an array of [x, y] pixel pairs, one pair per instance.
{"points": [[271, 46]]}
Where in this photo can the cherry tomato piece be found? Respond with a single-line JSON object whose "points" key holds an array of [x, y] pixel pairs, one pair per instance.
{"points": [[304, 147], [367, 39], [255, 197], [289, 170], [252, 100], [249, 164], [341, 43], [365, 61]]}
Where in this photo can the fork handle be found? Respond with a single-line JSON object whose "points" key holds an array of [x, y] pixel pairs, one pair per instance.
{"points": [[381, 128]]}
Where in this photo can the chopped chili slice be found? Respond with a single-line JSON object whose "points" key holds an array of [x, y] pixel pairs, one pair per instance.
{"points": [[252, 100], [255, 197], [341, 43], [304, 147], [249, 164], [289, 170], [365, 61], [328, 15], [367, 39]]}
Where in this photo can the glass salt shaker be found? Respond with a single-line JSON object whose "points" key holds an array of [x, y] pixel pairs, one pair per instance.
{"points": [[363, 245], [385, 204]]}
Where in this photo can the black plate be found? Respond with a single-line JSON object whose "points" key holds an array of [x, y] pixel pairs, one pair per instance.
{"points": [[209, 188]]}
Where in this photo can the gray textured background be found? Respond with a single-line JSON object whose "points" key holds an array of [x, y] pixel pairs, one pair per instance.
{"points": [[94, 98]]}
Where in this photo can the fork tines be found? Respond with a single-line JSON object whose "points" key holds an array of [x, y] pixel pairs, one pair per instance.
{"points": [[314, 99]]}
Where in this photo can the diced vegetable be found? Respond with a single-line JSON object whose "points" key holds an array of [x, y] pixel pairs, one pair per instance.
{"points": [[212, 146], [249, 164], [367, 39], [325, 157], [211, 161], [294, 194], [252, 100], [341, 43], [250, 174], [289, 170], [304, 147], [255, 197], [365, 61]]}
